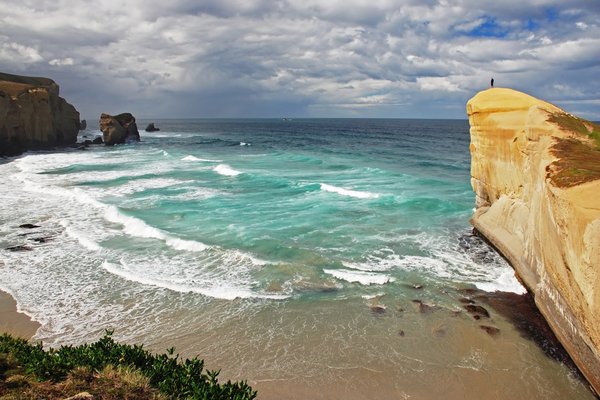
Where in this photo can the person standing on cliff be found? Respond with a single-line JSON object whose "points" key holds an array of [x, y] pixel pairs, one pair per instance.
{"points": [[492, 82]]}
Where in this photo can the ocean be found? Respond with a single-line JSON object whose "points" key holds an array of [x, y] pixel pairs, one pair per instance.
{"points": [[315, 258]]}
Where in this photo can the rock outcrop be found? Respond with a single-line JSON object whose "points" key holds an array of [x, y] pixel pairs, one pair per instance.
{"points": [[33, 116], [152, 128], [118, 129], [535, 170]]}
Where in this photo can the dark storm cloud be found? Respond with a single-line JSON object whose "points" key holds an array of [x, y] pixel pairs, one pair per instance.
{"points": [[313, 58]]}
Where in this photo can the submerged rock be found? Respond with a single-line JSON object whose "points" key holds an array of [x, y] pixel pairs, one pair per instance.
{"points": [[118, 129], [490, 330], [423, 307], [477, 312], [29, 226], [19, 248]]}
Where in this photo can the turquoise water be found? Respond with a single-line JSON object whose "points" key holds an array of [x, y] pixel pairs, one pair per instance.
{"points": [[268, 247]]}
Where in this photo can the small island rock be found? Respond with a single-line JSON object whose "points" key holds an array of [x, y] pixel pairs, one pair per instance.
{"points": [[118, 129]]}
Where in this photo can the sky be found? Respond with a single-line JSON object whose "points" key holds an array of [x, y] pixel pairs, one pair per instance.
{"points": [[304, 58]]}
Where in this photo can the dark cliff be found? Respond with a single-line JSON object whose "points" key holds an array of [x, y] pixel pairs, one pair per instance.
{"points": [[33, 115]]}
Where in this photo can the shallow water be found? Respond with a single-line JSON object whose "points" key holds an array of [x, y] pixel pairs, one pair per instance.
{"points": [[288, 253]]}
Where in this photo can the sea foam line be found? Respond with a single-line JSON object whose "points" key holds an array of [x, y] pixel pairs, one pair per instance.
{"points": [[194, 158], [218, 290], [136, 227], [347, 192]]}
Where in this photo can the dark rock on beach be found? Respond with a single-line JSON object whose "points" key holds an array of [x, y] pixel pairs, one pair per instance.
{"points": [[151, 128], [118, 129], [82, 125]]}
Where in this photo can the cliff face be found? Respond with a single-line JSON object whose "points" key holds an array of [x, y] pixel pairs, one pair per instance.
{"points": [[535, 171], [33, 116]]}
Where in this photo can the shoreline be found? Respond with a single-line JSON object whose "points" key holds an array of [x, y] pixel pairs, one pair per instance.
{"points": [[14, 322]]}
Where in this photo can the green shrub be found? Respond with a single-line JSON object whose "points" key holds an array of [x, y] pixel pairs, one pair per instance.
{"points": [[176, 378]]}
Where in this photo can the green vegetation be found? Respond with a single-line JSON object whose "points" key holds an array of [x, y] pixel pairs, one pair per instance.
{"points": [[107, 370], [576, 125]]}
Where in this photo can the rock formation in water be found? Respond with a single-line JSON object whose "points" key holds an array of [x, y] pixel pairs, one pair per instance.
{"points": [[33, 116], [535, 170], [118, 129], [152, 128]]}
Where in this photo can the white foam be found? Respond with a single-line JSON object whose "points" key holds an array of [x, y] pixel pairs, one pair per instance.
{"points": [[505, 282], [347, 192], [245, 144], [226, 170], [194, 158], [82, 239], [362, 277], [140, 185], [187, 245], [443, 259], [136, 227], [372, 296]]}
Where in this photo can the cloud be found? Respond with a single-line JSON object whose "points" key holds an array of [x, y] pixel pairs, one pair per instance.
{"points": [[243, 58]]}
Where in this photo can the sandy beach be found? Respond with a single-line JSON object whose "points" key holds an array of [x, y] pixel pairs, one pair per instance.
{"points": [[14, 322]]}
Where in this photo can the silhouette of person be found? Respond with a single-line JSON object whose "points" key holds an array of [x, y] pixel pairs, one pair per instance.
{"points": [[492, 82]]}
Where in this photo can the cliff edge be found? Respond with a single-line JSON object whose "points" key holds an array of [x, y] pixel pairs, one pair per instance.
{"points": [[33, 115], [535, 170]]}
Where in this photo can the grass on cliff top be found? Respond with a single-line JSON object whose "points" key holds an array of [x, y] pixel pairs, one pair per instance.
{"points": [[577, 163], [571, 123], [578, 160], [14, 89], [107, 370]]}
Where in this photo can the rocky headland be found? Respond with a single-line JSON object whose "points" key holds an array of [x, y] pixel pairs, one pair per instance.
{"points": [[535, 170], [33, 115]]}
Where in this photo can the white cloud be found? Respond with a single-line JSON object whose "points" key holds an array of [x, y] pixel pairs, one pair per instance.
{"points": [[19, 53], [437, 83], [61, 62]]}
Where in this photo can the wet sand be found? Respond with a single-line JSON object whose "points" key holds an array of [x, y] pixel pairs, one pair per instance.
{"points": [[14, 322]]}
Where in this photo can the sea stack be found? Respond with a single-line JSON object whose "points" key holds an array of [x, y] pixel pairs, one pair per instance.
{"points": [[118, 129], [33, 115], [535, 170]]}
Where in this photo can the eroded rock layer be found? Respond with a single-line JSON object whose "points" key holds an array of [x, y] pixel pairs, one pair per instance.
{"points": [[535, 170], [33, 116]]}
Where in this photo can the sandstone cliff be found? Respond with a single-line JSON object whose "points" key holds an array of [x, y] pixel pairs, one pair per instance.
{"points": [[535, 170], [33, 116]]}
